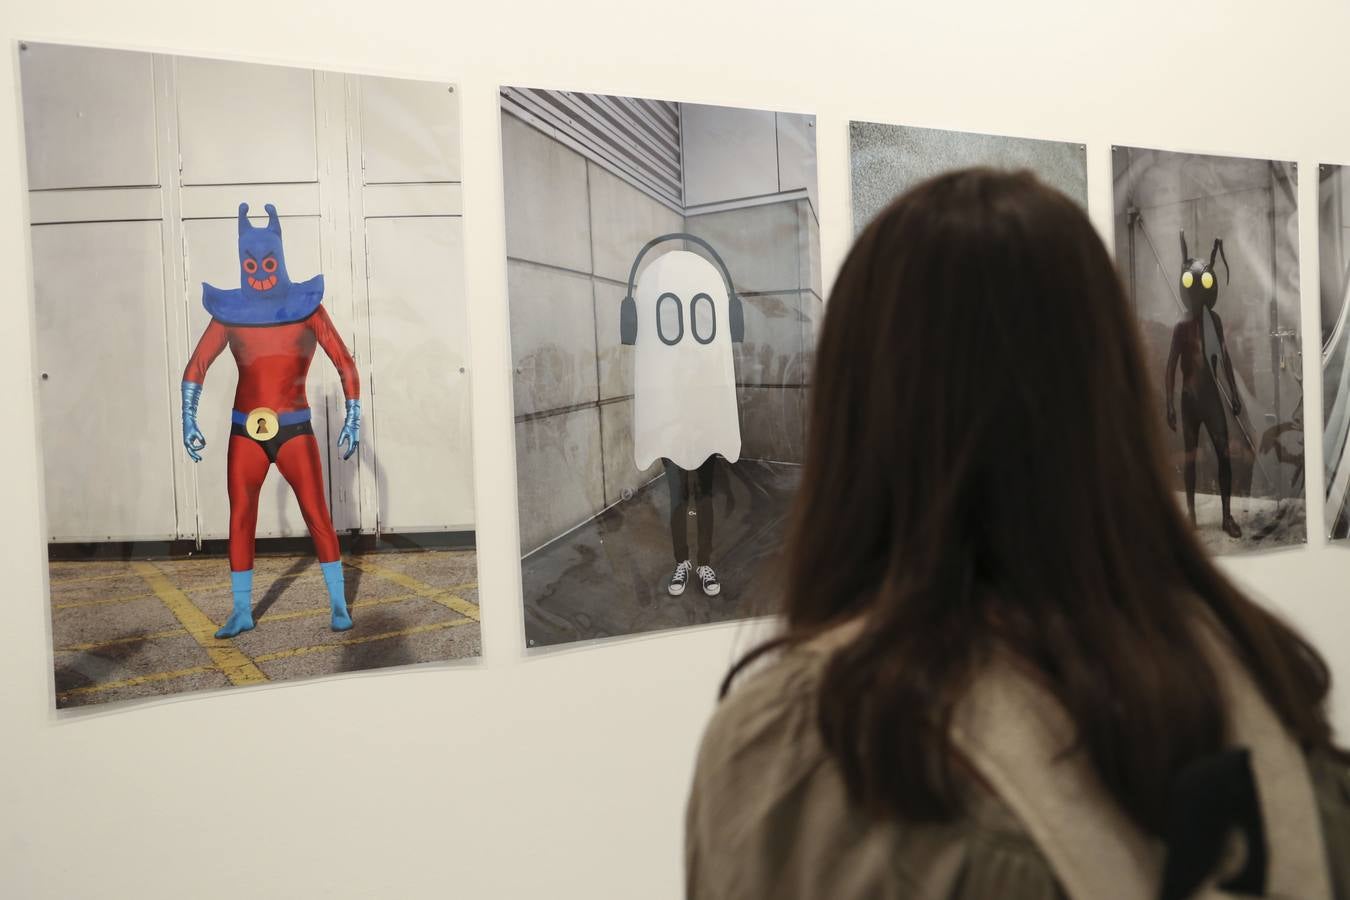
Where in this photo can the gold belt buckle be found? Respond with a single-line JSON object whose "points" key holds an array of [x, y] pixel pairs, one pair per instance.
{"points": [[262, 424]]}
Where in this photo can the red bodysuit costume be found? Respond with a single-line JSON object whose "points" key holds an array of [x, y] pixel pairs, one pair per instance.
{"points": [[273, 362]]}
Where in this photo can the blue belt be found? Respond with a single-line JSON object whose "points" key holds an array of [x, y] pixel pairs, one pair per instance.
{"points": [[294, 417]]}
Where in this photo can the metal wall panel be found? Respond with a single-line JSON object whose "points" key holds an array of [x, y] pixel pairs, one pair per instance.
{"points": [[88, 116], [420, 397], [106, 428], [409, 131], [729, 153], [242, 123], [381, 176]]}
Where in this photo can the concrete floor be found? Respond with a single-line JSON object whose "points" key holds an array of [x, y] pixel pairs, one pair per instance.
{"points": [[129, 629], [1266, 524], [609, 576]]}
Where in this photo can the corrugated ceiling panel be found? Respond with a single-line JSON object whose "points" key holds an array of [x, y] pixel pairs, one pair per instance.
{"points": [[639, 138]]}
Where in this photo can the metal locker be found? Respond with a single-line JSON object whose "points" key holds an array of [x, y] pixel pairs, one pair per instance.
{"points": [[420, 397], [242, 123], [88, 116], [103, 386], [409, 131]]}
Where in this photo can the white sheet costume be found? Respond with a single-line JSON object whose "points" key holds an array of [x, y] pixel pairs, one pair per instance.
{"points": [[683, 320]]}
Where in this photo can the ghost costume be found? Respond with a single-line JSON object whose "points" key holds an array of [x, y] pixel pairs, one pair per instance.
{"points": [[684, 378]]}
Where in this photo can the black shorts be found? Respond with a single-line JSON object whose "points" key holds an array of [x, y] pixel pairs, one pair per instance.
{"points": [[272, 446]]}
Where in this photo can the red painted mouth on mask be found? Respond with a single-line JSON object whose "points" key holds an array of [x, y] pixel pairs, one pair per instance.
{"points": [[262, 284]]}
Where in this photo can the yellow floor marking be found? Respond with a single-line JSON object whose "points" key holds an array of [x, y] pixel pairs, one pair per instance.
{"points": [[444, 596], [102, 601], [364, 639], [227, 657], [58, 582], [132, 682], [271, 617], [131, 639]]}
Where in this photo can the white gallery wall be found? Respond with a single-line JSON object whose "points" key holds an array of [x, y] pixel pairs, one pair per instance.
{"points": [[563, 775]]}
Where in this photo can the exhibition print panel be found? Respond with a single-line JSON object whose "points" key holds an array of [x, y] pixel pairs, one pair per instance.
{"points": [[887, 160], [1333, 244], [253, 386], [664, 280], [1208, 249]]}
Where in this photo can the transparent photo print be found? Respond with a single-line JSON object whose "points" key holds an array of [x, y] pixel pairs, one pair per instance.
{"points": [[664, 280], [887, 160], [1208, 250], [1333, 244], [252, 371]]}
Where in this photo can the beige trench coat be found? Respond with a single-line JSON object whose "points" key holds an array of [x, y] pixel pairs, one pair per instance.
{"points": [[768, 817]]}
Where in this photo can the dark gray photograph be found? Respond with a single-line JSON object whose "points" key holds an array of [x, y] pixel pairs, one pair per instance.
{"points": [[1333, 244], [887, 160], [1208, 249]]}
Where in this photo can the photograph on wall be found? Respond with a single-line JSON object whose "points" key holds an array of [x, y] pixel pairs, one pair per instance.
{"points": [[251, 369], [663, 268], [1333, 244], [887, 160], [1208, 250]]}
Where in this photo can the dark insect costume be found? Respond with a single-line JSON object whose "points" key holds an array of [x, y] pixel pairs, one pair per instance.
{"points": [[272, 327], [1198, 345]]}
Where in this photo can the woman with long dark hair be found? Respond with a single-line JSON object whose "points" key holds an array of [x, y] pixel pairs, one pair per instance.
{"points": [[1007, 667]]}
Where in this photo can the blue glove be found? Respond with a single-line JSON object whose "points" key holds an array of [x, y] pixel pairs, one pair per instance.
{"points": [[351, 429], [192, 435]]}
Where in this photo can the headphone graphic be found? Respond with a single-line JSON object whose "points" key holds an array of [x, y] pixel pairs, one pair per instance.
{"points": [[628, 320]]}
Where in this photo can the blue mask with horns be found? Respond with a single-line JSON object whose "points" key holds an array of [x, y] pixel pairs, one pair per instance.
{"points": [[266, 295]]}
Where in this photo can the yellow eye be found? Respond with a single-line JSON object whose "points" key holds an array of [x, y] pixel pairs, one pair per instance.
{"points": [[1187, 279], [1207, 280]]}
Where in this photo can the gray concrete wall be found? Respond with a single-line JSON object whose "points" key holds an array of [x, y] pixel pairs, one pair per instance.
{"points": [[772, 254], [1250, 204], [572, 231], [1333, 242], [1333, 238], [887, 160]]}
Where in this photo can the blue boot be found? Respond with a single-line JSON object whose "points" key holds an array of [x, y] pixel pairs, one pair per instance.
{"points": [[337, 594], [241, 584]]}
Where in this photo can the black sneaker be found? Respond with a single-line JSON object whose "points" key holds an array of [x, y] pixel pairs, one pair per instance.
{"points": [[708, 578], [680, 578]]}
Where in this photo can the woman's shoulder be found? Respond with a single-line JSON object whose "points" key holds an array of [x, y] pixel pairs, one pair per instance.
{"points": [[770, 816], [1331, 783], [773, 705]]}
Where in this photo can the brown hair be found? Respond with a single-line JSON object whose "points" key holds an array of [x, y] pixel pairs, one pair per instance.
{"points": [[984, 465]]}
